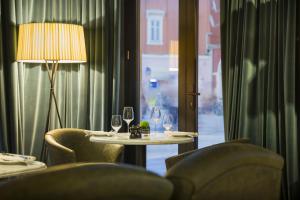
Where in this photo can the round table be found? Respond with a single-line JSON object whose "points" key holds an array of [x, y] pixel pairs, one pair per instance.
{"points": [[10, 169], [135, 148], [154, 139]]}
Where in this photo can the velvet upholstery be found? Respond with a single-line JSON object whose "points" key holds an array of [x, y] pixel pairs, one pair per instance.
{"points": [[89, 181], [171, 161], [228, 171], [70, 145]]}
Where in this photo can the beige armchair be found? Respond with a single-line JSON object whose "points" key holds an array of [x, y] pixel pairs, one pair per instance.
{"points": [[71, 145], [228, 171], [89, 181]]}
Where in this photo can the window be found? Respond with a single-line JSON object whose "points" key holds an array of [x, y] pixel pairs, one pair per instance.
{"points": [[215, 5], [155, 27], [159, 73], [210, 103]]}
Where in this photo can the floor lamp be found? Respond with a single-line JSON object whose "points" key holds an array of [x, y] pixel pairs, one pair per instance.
{"points": [[51, 43]]}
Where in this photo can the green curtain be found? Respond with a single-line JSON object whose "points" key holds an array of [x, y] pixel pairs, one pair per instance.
{"points": [[3, 127], [260, 78], [87, 93]]}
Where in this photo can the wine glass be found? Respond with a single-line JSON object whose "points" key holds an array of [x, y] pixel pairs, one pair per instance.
{"points": [[155, 115], [167, 122], [116, 122], [128, 116]]}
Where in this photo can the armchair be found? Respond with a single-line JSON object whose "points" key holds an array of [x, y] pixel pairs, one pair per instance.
{"points": [[89, 181], [228, 171], [71, 145]]}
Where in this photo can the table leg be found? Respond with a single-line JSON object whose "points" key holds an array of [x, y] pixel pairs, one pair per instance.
{"points": [[188, 147], [135, 155]]}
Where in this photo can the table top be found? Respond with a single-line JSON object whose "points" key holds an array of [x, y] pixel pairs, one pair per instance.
{"points": [[8, 170], [153, 139]]}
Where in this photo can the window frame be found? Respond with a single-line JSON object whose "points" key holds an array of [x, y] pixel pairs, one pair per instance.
{"points": [[155, 16]]}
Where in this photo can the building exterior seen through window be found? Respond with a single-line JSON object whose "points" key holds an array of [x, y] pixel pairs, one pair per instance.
{"points": [[210, 102], [159, 73], [155, 27]]}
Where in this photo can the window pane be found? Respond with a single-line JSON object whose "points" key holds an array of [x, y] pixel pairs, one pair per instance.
{"points": [[157, 31], [159, 73], [152, 33], [210, 110]]}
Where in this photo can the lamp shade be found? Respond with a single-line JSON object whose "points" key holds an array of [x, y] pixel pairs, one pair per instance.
{"points": [[51, 42]]}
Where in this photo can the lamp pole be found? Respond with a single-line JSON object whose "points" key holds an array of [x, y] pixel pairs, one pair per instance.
{"points": [[52, 73]]}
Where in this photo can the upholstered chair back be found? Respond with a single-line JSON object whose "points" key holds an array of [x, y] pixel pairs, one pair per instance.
{"points": [[70, 145], [228, 171], [89, 182], [171, 161]]}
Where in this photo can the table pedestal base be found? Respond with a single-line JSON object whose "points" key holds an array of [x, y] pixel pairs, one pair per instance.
{"points": [[135, 155]]}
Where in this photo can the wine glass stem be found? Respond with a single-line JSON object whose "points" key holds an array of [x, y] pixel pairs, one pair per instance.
{"points": [[128, 127]]}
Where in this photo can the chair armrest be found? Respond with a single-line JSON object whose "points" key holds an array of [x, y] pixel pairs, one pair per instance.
{"points": [[57, 153], [113, 153], [171, 161]]}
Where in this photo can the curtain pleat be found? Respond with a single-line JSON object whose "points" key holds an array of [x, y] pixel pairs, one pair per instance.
{"points": [[260, 80], [3, 119], [87, 93]]}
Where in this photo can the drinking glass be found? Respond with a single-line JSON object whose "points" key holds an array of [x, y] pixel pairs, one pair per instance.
{"points": [[155, 115], [128, 116], [116, 122], [167, 122]]}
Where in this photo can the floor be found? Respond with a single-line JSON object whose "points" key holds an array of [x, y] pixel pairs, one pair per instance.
{"points": [[211, 131]]}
